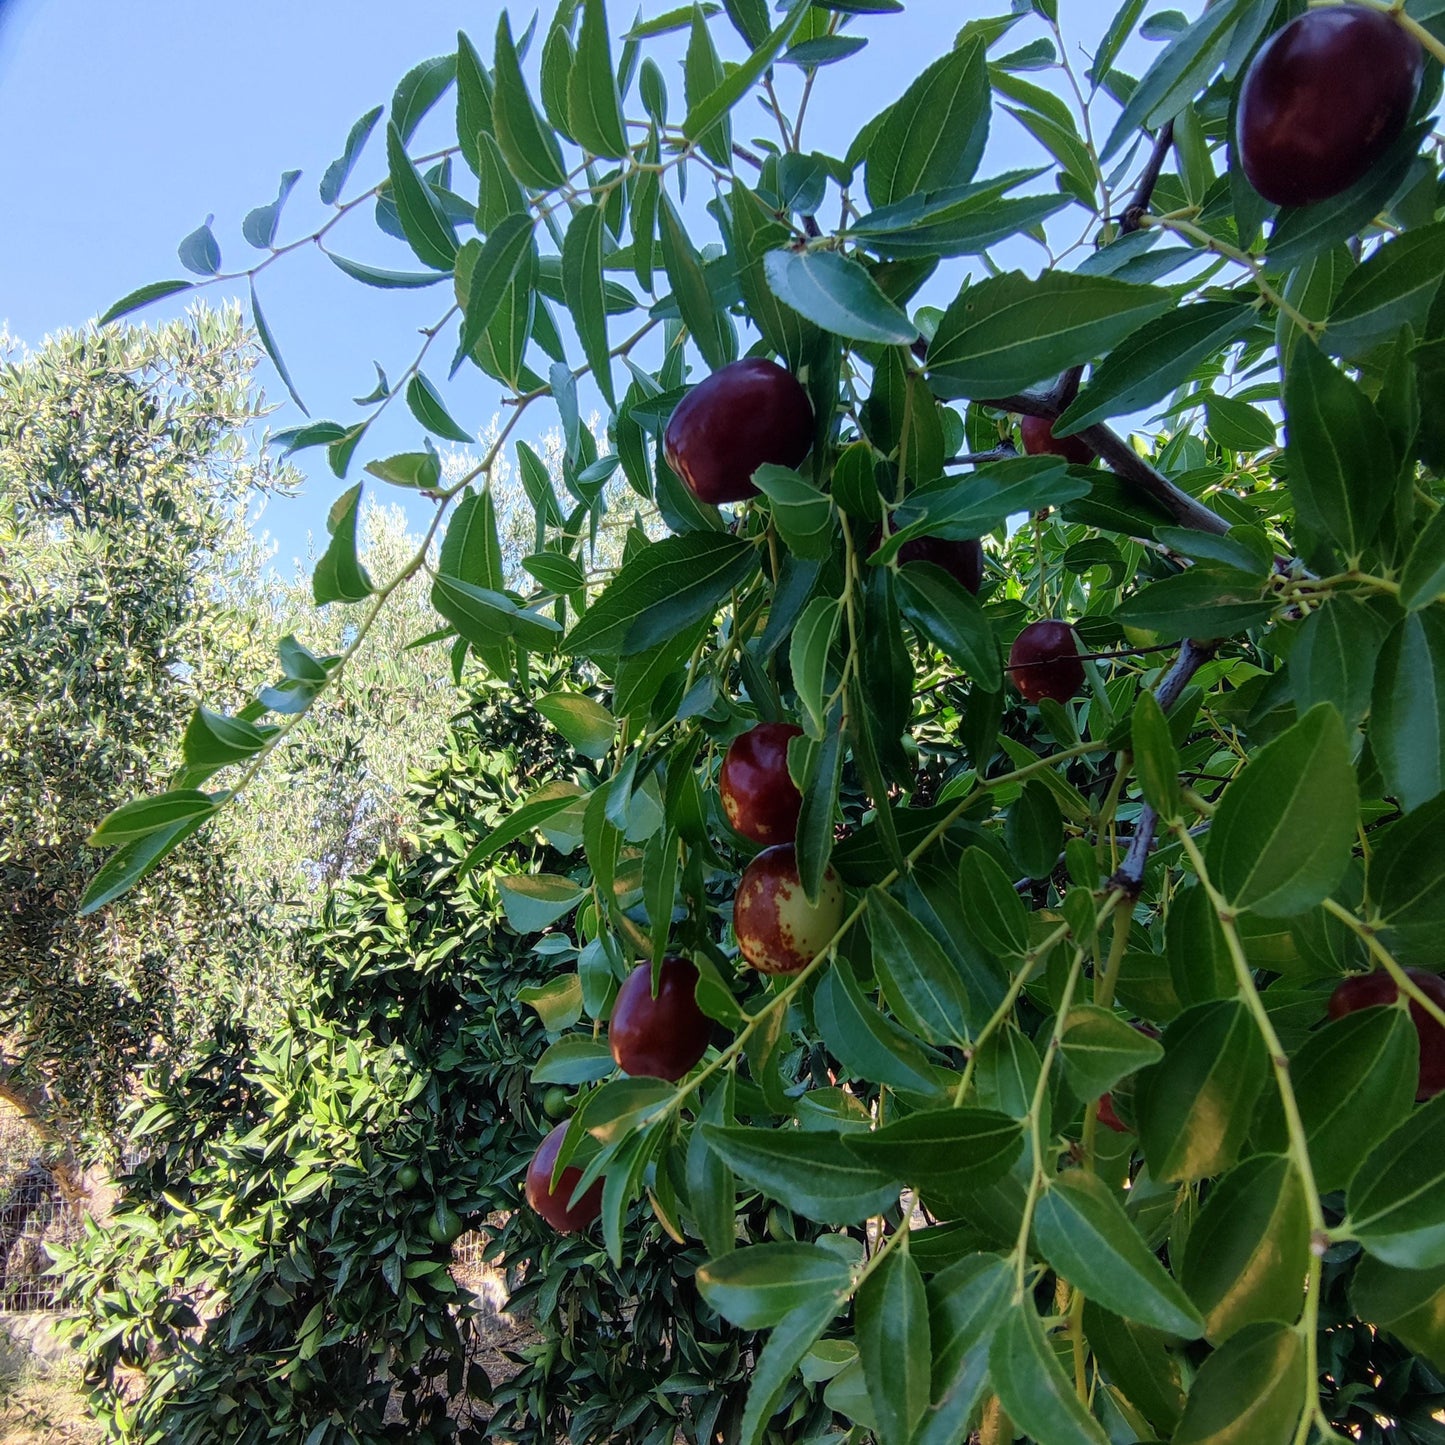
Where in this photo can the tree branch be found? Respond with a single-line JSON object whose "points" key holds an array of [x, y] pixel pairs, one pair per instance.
{"points": [[1132, 218], [1130, 876]]}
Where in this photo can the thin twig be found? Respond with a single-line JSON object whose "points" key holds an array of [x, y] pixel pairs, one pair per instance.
{"points": [[1134, 212]]}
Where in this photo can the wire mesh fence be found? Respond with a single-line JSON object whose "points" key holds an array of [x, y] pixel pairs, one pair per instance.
{"points": [[34, 1214]]}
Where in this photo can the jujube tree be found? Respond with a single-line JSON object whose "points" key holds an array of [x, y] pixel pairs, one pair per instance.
{"points": [[984, 889]]}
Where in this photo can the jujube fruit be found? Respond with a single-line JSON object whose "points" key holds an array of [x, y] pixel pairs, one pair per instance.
{"points": [[1044, 661], [1039, 440], [555, 1102], [661, 1036], [1323, 100], [778, 929], [1373, 990], [758, 793], [963, 561], [552, 1204], [444, 1225], [749, 413], [407, 1176]]}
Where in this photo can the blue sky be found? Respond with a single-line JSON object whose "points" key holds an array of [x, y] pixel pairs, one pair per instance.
{"points": [[126, 124]]}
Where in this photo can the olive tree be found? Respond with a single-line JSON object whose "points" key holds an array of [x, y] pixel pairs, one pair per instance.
{"points": [[1097, 1146]]}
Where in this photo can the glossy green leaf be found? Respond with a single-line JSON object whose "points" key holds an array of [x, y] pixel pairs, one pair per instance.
{"points": [[1392, 288], [702, 75], [780, 1357], [867, 1043], [259, 225], [1286, 825], [663, 589], [142, 296], [339, 576], [758, 1287], [428, 229], [809, 1171], [1410, 1304], [1397, 1197], [803, 515], [419, 470], [1423, 580], [1249, 1392], [131, 862], [891, 1320], [946, 614], [1156, 760], [1082, 1231], [147, 815], [1194, 1108], [199, 252], [1010, 332], [1099, 1048], [1160, 356], [487, 274], [1407, 882], [837, 294], [593, 104], [808, 656], [966, 1302], [527, 142], [586, 724], [1203, 602], [919, 980], [1031, 1386], [1354, 1080], [706, 322], [992, 903], [430, 410], [582, 285], [575, 1059], [1407, 717], [1334, 657], [337, 173], [268, 343], [1138, 1362], [1248, 1252], [934, 136], [382, 278], [959, 221], [704, 111], [943, 1148]]}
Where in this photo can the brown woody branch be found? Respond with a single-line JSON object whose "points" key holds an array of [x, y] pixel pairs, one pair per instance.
{"points": [[1132, 218]]}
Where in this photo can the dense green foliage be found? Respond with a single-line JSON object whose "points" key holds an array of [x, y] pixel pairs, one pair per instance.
{"points": [[1241, 807]]}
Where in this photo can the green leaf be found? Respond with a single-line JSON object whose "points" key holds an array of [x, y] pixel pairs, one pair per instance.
{"points": [[960, 221], [836, 293], [1035, 830], [524, 138], [867, 1043], [582, 285], [948, 615], [199, 252], [586, 724], [808, 656], [1098, 1049], [532, 901], [704, 111], [558, 1004], [430, 410], [146, 815], [809, 1171], [1082, 1231], [1178, 74], [339, 576], [421, 470], [259, 226], [1423, 580], [1407, 718], [966, 1302], [918, 978], [1334, 658], [933, 137], [891, 1321], [1342, 465], [474, 102], [1285, 828], [1156, 759], [1248, 1252], [803, 514], [1008, 332], [1202, 602], [143, 296], [1410, 1304], [336, 174], [944, 1149], [786, 1346], [816, 818], [1248, 1392], [1392, 288], [268, 342], [576, 1059], [1354, 1080], [755, 233], [758, 1287], [1407, 882], [1160, 356], [662, 590], [131, 862], [1397, 1198], [419, 90], [997, 912], [702, 75], [487, 274], [382, 278], [429, 231], [1137, 1360], [1194, 1108], [1025, 1373], [593, 104], [1237, 426], [707, 323], [955, 509]]}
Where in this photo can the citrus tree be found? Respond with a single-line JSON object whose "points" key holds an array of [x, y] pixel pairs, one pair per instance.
{"points": [[1020, 764]]}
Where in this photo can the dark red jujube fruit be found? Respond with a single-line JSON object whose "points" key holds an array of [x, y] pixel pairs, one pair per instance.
{"points": [[963, 561], [758, 793], [1044, 661], [551, 1203], [1323, 100], [658, 1036], [732, 422], [1371, 990], [1039, 440]]}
